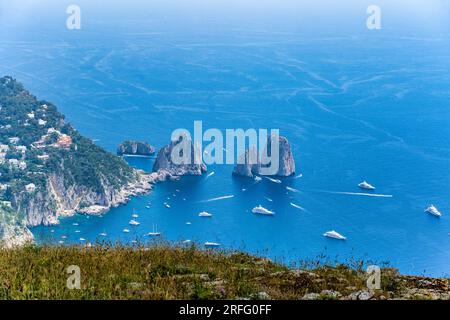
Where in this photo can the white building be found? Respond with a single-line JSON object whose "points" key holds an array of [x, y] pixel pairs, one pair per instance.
{"points": [[30, 187]]}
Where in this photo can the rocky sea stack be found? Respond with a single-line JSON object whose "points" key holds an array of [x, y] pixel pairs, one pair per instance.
{"points": [[165, 166], [254, 168], [135, 148]]}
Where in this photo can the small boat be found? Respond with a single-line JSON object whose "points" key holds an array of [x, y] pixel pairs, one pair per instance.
{"points": [[135, 216], [126, 230], [333, 234], [155, 232], [103, 234], [211, 244], [134, 222], [205, 214], [147, 207], [75, 224], [261, 210], [187, 241], [366, 185], [268, 199], [61, 242], [433, 211], [52, 231], [63, 237], [77, 231], [82, 239], [258, 178], [188, 223], [166, 205]]}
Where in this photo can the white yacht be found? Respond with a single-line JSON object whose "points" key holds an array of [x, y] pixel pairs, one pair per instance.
{"points": [[135, 216], [155, 232], [134, 222], [82, 239], [126, 230], [261, 210], [335, 235], [187, 241], [77, 231], [103, 234], [205, 214], [166, 205], [147, 207], [366, 185], [433, 211], [211, 244]]}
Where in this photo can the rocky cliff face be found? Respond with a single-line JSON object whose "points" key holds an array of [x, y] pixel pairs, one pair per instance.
{"points": [[166, 167], [286, 161], [249, 166], [136, 148]]}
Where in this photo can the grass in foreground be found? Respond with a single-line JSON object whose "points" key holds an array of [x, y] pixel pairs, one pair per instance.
{"points": [[165, 272]]}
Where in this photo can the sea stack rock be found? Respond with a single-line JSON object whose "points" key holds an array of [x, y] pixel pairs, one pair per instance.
{"points": [[135, 148], [286, 158], [286, 162], [165, 166], [246, 168]]}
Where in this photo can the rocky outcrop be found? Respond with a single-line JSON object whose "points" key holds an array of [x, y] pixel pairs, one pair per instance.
{"points": [[249, 165], [135, 148], [286, 161], [167, 167]]}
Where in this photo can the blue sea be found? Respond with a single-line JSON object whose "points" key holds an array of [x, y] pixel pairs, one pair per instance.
{"points": [[355, 104]]}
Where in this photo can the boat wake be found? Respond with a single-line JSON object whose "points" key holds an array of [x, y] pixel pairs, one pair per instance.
{"points": [[217, 199], [210, 175], [298, 207], [355, 193]]}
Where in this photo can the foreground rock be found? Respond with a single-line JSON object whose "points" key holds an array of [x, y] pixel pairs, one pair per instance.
{"points": [[165, 167], [135, 148], [251, 167]]}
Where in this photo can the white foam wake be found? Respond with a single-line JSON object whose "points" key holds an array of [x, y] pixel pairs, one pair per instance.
{"points": [[210, 175], [217, 199], [298, 207]]}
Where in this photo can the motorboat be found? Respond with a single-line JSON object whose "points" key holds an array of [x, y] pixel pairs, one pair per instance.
{"points": [[211, 244], [433, 211], [366, 185], [334, 235], [126, 230], [261, 210], [134, 222], [205, 214]]}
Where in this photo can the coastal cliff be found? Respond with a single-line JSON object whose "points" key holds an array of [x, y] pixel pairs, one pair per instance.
{"points": [[49, 170]]}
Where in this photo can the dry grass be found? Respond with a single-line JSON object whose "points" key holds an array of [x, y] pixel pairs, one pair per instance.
{"points": [[165, 272]]}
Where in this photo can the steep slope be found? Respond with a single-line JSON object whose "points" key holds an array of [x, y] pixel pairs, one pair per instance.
{"points": [[48, 169]]}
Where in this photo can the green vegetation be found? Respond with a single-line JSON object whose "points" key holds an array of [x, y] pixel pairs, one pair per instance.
{"points": [[165, 272], [37, 144]]}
